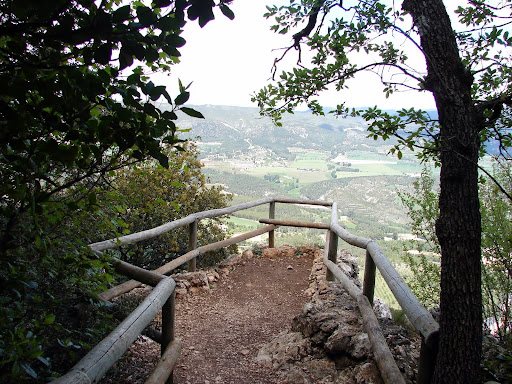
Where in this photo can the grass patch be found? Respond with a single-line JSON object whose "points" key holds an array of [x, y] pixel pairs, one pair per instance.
{"points": [[239, 221]]}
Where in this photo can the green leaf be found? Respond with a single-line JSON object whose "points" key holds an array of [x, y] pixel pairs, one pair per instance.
{"points": [[175, 40], [121, 14], [65, 153], [171, 51], [49, 319], [125, 60], [227, 11], [152, 55], [43, 360], [72, 205], [146, 16], [162, 3], [163, 160], [103, 54], [170, 115], [29, 371], [192, 112], [92, 198], [202, 10], [182, 98], [156, 92], [167, 24]]}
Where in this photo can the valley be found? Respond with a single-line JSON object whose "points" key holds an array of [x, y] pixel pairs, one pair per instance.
{"points": [[310, 157]]}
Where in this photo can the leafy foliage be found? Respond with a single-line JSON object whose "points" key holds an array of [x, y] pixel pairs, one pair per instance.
{"points": [[372, 28], [75, 106], [423, 211], [45, 282], [497, 251], [149, 195]]}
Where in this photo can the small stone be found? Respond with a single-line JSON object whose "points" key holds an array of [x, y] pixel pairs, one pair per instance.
{"points": [[289, 267], [245, 352]]}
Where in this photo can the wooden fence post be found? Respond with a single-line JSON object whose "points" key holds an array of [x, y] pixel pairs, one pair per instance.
{"points": [[271, 215], [332, 243], [168, 326], [369, 277], [192, 244]]}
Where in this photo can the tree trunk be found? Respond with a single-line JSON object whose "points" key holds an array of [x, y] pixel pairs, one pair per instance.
{"points": [[458, 227]]}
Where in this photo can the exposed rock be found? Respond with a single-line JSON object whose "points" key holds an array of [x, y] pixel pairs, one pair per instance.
{"points": [[381, 309], [282, 251], [285, 348], [327, 343], [367, 373], [231, 260]]}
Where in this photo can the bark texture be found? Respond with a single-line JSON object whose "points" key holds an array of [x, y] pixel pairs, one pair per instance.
{"points": [[458, 227]]}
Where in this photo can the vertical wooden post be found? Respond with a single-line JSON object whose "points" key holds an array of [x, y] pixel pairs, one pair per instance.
{"points": [[369, 277], [271, 215], [332, 243], [168, 326], [427, 362], [192, 244]]}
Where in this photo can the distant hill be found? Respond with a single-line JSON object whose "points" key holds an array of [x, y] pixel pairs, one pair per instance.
{"points": [[226, 129]]}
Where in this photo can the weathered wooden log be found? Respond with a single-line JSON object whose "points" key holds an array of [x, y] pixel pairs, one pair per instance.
{"points": [[332, 244], [169, 267], [346, 236], [271, 215], [192, 244], [294, 223], [340, 276], [166, 364], [387, 365], [153, 232], [420, 318], [168, 310], [96, 363], [370, 270], [150, 331], [302, 201], [381, 353], [140, 274]]}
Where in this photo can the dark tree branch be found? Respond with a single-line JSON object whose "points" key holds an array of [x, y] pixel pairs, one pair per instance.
{"points": [[309, 26]]}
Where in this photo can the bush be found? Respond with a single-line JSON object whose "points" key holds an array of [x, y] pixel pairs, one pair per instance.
{"points": [[496, 210], [149, 195], [44, 280]]}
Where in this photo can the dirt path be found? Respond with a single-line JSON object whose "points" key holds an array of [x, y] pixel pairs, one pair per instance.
{"points": [[223, 328]]}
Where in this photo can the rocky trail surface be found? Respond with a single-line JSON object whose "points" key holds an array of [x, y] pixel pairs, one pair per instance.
{"points": [[267, 317]]}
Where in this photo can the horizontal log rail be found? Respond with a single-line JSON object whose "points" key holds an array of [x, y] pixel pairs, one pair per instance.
{"points": [[295, 224], [95, 364], [172, 265], [157, 231], [383, 356], [160, 230], [420, 318]]}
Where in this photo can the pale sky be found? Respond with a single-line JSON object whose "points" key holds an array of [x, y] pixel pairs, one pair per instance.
{"points": [[228, 60]]}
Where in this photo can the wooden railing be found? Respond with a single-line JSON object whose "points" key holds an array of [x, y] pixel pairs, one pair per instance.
{"points": [[96, 363]]}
